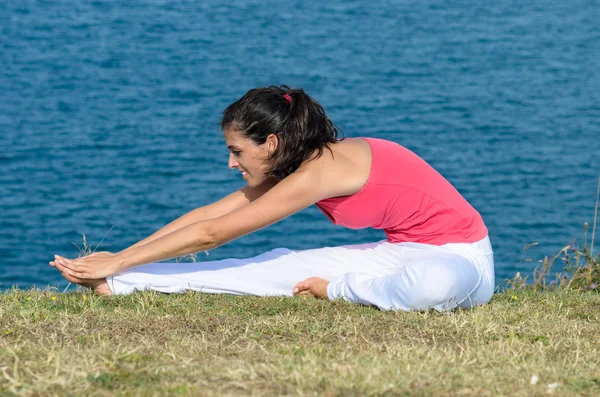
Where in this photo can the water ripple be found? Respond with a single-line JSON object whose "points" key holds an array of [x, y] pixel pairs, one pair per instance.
{"points": [[109, 113]]}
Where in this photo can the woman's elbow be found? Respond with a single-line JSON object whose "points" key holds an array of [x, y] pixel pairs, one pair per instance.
{"points": [[219, 231], [209, 236]]}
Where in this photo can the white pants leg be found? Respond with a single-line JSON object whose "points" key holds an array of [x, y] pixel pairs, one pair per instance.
{"points": [[406, 276]]}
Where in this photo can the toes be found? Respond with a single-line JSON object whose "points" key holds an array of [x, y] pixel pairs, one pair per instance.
{"points": [[300, 288], [103, 289]]}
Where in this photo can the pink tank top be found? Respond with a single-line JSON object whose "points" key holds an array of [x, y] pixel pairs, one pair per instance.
{"points": [[408, 199]]}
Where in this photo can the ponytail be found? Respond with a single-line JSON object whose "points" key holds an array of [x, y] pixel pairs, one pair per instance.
{"points": [[298, 121]]}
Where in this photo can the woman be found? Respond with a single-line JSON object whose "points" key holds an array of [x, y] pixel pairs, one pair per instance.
{"points": [[437, 253]]}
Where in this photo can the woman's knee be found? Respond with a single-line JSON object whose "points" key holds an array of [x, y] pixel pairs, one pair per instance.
{"points": [[437, 285]]}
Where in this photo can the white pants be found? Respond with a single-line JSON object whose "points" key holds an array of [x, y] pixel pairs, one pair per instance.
{"points": [[391, 276]]}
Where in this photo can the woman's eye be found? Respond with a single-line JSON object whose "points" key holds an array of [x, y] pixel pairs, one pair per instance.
{"points": [[236, 152]]}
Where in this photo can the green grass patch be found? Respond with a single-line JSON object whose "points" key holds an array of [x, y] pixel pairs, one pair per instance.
{"points": [[199, 344]]}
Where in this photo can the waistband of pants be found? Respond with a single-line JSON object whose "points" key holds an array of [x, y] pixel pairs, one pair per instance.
{"points": [[483, 246]]}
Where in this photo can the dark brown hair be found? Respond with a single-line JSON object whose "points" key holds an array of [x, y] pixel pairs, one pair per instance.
{"points": [[298, 121]]}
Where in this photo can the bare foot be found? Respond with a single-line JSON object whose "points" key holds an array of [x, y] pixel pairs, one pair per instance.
{"points": [[313, 286], [99, 285]]}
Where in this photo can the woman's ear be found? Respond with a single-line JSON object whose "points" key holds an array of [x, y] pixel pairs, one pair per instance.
{"points": [[272, 143]]}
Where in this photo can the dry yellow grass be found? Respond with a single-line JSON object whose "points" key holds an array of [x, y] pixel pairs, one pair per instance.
{"points": [[198, 344]]}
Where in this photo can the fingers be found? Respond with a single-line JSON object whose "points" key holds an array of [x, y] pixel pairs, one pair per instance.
{"points": [[57, 260], [66, 274], [72, 265], [62, 267], [53, 263], [72, 279], [72, 270]]}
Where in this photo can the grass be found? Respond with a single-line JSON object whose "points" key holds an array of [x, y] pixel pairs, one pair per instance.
{"points": [[198, 344], [581, 270]]}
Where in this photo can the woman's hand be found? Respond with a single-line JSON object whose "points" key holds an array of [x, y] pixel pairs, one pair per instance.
{"points": [[94, 266]]}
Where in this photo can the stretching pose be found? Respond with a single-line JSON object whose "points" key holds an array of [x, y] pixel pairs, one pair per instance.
{"points": [[437, 253]]}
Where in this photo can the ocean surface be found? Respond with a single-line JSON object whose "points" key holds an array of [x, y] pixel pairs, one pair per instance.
{"points": [[109, 114]]}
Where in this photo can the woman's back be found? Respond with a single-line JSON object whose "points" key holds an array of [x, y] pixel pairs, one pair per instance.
{"points": [[392, 188]]}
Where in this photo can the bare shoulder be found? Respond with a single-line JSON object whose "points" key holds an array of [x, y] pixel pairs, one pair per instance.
{"points": [[341, 171], [344, 169]]}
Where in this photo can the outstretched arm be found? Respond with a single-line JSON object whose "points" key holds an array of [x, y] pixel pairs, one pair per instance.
{"points": [[188, 239], [219, 208], [296, 192], [289, 196]]}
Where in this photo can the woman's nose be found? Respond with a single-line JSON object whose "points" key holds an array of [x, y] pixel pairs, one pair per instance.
{"points": [[232, 162]]}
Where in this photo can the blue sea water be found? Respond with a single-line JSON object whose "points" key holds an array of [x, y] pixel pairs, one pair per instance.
{"points": [[109, 114]]}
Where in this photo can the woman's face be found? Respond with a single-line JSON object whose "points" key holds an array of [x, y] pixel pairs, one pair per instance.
{"points": [[248, 157]]}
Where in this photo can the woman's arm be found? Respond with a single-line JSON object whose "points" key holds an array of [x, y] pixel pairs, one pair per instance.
{"points": [[224, 206], [294, 193]]}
